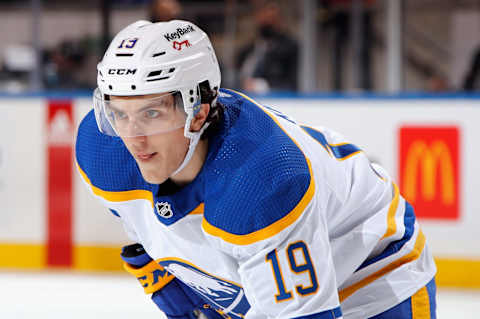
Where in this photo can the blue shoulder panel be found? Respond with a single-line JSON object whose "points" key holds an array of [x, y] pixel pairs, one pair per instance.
{"points": [[258, 174], [105, 159]]}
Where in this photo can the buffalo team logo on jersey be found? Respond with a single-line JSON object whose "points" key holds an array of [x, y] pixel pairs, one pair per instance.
{"points": [[221, 294], [164, 209]]}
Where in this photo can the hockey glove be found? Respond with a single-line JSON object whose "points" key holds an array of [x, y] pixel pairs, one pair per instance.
{"points": [[174, 298]]}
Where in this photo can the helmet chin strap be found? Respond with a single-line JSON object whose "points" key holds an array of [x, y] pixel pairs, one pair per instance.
{"points": [[194, 138]]}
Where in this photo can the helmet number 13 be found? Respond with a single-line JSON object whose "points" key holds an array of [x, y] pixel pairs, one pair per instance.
{"points": [[297, 266], [128, 43]]}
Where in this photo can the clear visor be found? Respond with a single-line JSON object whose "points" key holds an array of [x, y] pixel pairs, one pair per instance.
{"points": [[131, 116]]}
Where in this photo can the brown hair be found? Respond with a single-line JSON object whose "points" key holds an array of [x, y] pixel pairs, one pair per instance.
{"points": [[215, 115]]}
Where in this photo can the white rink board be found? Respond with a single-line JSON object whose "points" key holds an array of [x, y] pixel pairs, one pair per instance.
{"points": [[372, 124], [22, 170], [94, 224]]}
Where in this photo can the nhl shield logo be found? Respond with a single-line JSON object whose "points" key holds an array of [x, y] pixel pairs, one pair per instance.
{"points": [[164, 209]]}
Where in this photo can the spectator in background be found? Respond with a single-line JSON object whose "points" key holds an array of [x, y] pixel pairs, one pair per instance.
{"points": [[437, 83], [270, 61], [471, 81], [164, 10], [63, 66], [337, 16], [17, 62]]}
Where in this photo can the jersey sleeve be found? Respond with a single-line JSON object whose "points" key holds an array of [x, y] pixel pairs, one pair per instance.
{"points": [[277, 231], [294, 277], [289, 274]]}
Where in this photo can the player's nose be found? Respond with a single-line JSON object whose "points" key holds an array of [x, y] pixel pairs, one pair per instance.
{"points": [[137, 143], [133, 129]]}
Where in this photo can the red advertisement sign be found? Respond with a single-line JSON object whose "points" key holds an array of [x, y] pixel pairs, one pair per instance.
{"points": [[59, 183], [429, 170]]}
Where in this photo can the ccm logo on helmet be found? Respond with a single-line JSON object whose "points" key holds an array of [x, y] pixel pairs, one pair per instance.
{"points": [[121, 71]]}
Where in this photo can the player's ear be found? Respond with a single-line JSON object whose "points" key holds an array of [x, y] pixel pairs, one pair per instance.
{"points": [[200, 117]]}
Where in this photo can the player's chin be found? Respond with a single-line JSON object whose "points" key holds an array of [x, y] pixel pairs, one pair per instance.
{"points": [[153, 176], [154, 179]]}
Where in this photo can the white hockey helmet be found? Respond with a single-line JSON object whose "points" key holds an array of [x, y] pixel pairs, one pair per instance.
{"points": [[174, 57], [151, 58]]}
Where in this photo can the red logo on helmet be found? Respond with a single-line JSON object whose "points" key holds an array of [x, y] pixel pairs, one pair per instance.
{"points": [[178, 45]]}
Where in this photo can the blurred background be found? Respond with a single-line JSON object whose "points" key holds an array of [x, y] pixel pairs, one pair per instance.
{"points": [[399, 78], [322, 45]]}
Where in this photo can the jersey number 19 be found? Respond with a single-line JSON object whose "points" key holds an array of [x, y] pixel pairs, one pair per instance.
{"points": [[306, 266]]}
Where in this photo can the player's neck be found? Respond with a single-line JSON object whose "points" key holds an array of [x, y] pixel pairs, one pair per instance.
{"points": [[188, 174]]}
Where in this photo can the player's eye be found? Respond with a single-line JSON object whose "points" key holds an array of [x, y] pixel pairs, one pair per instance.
{"points": [[152, 114], [119, 115]]}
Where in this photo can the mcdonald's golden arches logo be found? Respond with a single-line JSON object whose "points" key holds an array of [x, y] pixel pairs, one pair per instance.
{"points": [[429, 170]]}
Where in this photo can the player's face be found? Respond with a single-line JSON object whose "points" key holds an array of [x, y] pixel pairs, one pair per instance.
{"points": [[157, 155]]}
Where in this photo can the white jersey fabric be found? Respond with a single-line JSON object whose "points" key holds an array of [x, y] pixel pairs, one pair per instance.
{"points": [[283, 221]]}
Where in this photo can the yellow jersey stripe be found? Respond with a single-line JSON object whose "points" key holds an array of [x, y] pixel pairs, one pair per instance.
{"points": [[280, 224], [339, 144], [421, 304], [121, 196], [413, 255], [198, 210], [391, 224]]}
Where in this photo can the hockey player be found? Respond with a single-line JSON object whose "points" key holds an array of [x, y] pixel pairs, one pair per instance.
{"points": [[235, 208]]}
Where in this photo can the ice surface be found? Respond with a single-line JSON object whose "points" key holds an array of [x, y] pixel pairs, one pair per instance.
{"points": [[60, 295]]}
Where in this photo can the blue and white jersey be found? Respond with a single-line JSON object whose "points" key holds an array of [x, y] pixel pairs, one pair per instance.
{"points": [[283, 220]]}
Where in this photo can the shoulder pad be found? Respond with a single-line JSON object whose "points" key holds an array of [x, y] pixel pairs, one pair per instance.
{"points": [[259, 183]]}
